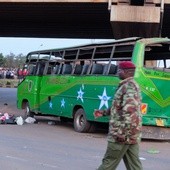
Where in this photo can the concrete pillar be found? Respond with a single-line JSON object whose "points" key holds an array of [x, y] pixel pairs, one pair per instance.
{"points": [[137, 21]]}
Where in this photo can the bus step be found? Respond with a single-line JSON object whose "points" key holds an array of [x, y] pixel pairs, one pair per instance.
{"points": [[155, 133]]}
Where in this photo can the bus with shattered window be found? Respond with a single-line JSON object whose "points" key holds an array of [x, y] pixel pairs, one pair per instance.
{"points": [[71, 83]]}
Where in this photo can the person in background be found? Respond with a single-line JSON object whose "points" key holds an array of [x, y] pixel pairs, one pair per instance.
{"points": [[24, 71], [1, 74], [125, 122], [20, 73]]}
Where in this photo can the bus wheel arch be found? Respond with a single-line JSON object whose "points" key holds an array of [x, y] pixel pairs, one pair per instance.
{"points": [[75, 109], [81, 124], [27, 110]]}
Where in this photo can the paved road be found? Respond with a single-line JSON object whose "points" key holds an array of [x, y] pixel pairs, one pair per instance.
{"points": [[46, 147]]}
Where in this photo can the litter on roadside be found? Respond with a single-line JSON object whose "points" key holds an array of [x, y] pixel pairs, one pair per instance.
{"points": [[153, 151], [6, 118], [30, 120], [51, 123], [19, 120], [141, 158]]}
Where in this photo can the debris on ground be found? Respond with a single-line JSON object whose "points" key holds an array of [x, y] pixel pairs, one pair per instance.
{"points": [[153, 151], [30, 120], [11, 119], [7, 119], [51, 123], [141, 158], [19, 120]]}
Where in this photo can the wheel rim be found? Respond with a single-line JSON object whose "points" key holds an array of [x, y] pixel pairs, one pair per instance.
{"points": [[27, 109], [80, 121]]}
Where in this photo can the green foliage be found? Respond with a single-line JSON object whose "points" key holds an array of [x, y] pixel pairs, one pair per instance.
{"points": [[11, 60], [1, 60], [9, 82]]}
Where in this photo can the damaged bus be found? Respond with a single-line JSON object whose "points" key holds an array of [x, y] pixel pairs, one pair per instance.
{"points": [[71, 83]]}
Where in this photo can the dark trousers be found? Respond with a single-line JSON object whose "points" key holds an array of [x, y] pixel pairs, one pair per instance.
{"points": [[115, 152]]}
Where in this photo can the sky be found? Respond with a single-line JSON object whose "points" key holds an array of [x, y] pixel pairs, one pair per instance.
{"points": [[26, 45]]}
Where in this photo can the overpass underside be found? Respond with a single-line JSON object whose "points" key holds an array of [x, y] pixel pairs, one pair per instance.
{"points": [[83, 19]]}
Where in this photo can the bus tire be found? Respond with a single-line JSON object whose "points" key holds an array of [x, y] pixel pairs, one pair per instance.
{"points": [[80, 122], [28, 112]]}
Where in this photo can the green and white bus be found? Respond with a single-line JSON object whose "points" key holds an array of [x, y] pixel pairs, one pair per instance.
{"points": [[71, 83]]}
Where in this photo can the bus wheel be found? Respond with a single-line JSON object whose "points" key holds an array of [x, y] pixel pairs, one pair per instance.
{"points": [[80, 122], [28, 112]]}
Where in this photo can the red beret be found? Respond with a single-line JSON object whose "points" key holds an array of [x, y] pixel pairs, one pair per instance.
{"points": [[126, 65]]}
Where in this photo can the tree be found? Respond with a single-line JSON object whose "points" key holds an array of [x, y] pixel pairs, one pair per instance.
{"points": [[19, 60], [1, 60], [10, 60], [13, 61]]}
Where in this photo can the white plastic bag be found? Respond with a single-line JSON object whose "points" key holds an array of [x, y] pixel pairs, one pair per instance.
{"points": [[30, 120], [19, 120]]}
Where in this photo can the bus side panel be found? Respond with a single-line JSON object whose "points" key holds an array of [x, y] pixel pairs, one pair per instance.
{"points": [[155, 85], [28, 90], [60, 94]]}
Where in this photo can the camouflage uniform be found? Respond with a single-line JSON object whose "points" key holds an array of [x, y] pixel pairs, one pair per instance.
{"points": [[124, 128]]}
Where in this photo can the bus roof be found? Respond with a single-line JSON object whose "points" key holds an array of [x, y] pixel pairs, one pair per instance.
{"points": [[125, 40], [147, 41], [101, 49]]}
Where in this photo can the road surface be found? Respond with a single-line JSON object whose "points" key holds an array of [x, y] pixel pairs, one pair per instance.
{"points": [[43, 146]]}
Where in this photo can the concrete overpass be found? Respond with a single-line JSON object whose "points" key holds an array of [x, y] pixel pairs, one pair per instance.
{"points": [[84, 18]]}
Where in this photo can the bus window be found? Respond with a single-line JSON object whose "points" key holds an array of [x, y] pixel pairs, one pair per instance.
{"points": [[56, 69], [97, 69], [78, 69], [85, 69], [31, 69], [41, 67], [49, 70], [67, 69], [168, 63], [112, 70]]}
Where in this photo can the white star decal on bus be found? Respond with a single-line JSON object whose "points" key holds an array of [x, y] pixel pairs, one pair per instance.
{"points": [[80, 95], [50, 105], [104, 99], [63, 103]]}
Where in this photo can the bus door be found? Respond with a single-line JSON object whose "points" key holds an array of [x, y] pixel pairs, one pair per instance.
{"points": [[34, 85]]}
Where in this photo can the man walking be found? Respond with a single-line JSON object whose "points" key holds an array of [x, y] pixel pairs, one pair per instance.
{"points": [[125, 122]]}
